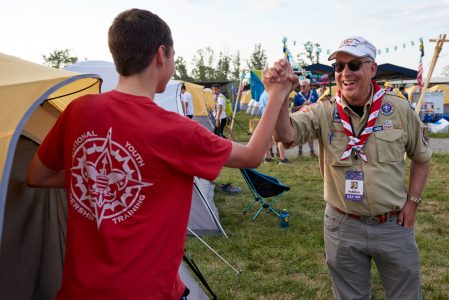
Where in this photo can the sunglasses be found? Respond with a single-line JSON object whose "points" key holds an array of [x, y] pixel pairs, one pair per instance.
{"points": [[303, 86], [353, 65]]}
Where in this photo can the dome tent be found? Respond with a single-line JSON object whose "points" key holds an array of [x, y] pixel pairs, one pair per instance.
{"points": [[32, 97], [169, 99]]}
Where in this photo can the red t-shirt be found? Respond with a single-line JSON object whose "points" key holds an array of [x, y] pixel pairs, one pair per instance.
{"points": [[129, 178]]}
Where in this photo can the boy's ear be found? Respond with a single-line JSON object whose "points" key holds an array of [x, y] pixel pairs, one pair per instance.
{"points": [[160, 55]]}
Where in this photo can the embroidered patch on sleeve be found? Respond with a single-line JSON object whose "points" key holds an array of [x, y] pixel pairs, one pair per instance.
{"points": [[425, 136]]}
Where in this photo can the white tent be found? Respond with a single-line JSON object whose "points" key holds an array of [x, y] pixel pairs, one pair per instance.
{"points": [[170, 99], [105, 69]]}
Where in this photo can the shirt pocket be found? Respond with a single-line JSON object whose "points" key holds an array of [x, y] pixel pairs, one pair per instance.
{"points": [[389, 145], [336, 148]]}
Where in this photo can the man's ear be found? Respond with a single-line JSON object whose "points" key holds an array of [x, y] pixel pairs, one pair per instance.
{"points": [[160, 55], [373, 70]]}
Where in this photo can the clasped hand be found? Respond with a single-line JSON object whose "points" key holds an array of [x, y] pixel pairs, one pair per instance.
{"points": [[280, 78]]}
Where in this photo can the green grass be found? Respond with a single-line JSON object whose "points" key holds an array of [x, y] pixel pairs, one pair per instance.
{"points": [[241, 126], [439, 135], [288, 263]]}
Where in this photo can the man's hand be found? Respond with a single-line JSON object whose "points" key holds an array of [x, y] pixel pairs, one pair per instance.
{"points": [[407, 215], [280, 78]]}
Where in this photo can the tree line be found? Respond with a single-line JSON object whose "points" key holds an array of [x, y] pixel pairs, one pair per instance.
{"points": [[207, 66]]}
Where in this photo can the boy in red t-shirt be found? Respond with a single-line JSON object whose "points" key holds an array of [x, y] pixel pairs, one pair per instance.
{"points": [[128, 168]]}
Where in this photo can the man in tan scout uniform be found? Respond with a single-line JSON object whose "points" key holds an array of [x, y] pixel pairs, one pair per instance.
{"points": [[363, 134]]}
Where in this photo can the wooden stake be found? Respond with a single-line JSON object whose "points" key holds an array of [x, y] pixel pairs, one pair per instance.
{"points": [[436, 53], [239, 95]]}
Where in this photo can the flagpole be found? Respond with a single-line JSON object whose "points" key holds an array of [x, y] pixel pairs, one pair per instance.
{"points": [[439, 45], [239, 95]]}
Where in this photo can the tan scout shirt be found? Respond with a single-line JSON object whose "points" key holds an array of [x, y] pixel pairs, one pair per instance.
{"points": [[384, 173]]}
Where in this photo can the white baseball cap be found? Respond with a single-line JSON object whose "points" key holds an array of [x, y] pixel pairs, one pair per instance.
{"points": [[356, 46]]}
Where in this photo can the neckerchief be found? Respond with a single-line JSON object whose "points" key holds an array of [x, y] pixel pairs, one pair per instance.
{"points": [[357, 143]]}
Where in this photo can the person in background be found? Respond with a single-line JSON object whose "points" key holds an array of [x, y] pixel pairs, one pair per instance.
{"points": [[302, 101], [220, 110], [128, 167], [370, 214], [403, 92], [269, 155], [388, 87], [187, 102], [321, 90]]}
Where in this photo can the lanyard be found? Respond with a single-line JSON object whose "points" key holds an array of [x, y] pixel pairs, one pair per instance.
{"points": [[306, 98]]}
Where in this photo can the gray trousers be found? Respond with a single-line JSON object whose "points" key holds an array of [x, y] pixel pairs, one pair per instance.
{"points": [[351, 246]]}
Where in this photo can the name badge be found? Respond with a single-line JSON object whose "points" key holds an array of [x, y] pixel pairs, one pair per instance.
{"points": [[354, 185]]}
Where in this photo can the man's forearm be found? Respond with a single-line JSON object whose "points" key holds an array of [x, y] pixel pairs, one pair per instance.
{"points": [[419, 171], [284, 131]]}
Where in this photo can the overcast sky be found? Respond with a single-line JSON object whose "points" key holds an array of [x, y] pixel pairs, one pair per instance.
{"points": [[31, 28]]}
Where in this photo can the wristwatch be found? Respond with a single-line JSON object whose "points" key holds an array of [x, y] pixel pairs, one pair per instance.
{"points": [[417, 200]]}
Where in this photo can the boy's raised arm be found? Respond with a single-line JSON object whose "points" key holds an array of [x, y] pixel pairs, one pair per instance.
{"points": [[278, 81]]}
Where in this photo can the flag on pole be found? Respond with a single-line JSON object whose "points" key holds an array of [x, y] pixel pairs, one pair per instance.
{"points": [[420, 67], [421, 46], [285, 50]]}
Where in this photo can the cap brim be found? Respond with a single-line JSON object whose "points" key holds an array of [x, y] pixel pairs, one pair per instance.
{"points": [[350, 51]]}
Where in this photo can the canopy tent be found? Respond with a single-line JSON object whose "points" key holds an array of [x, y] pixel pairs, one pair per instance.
{"points": [[390, 71], [443, 88], [320, 69], [320, 74]]}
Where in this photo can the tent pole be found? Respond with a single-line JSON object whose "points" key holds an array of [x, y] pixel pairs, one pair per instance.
{"points": [[436, 53], [197, 188], [239, 94], [215, 252]]}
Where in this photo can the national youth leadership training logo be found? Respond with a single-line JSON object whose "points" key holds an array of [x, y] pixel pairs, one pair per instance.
{"points": [[106, 182]]}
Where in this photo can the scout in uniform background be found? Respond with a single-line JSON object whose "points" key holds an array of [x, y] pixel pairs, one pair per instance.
{"points": [[363, 134]]}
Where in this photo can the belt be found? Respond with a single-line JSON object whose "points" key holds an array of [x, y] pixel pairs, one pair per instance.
{"points": [[370, 220]]}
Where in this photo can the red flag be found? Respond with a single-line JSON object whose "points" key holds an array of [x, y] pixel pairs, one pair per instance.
{"points": [[419, 76]]}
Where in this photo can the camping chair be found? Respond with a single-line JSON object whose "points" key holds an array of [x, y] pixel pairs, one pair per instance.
{"points": [[263, 187]]}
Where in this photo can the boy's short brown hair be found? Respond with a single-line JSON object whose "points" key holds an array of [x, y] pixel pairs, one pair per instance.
{"points": [[134, 37]]}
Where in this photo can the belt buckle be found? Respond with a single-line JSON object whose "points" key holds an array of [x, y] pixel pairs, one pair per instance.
{"points": [[369, 220]]}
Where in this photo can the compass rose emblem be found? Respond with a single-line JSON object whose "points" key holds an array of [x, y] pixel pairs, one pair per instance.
{"points": [[106, 179]]}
